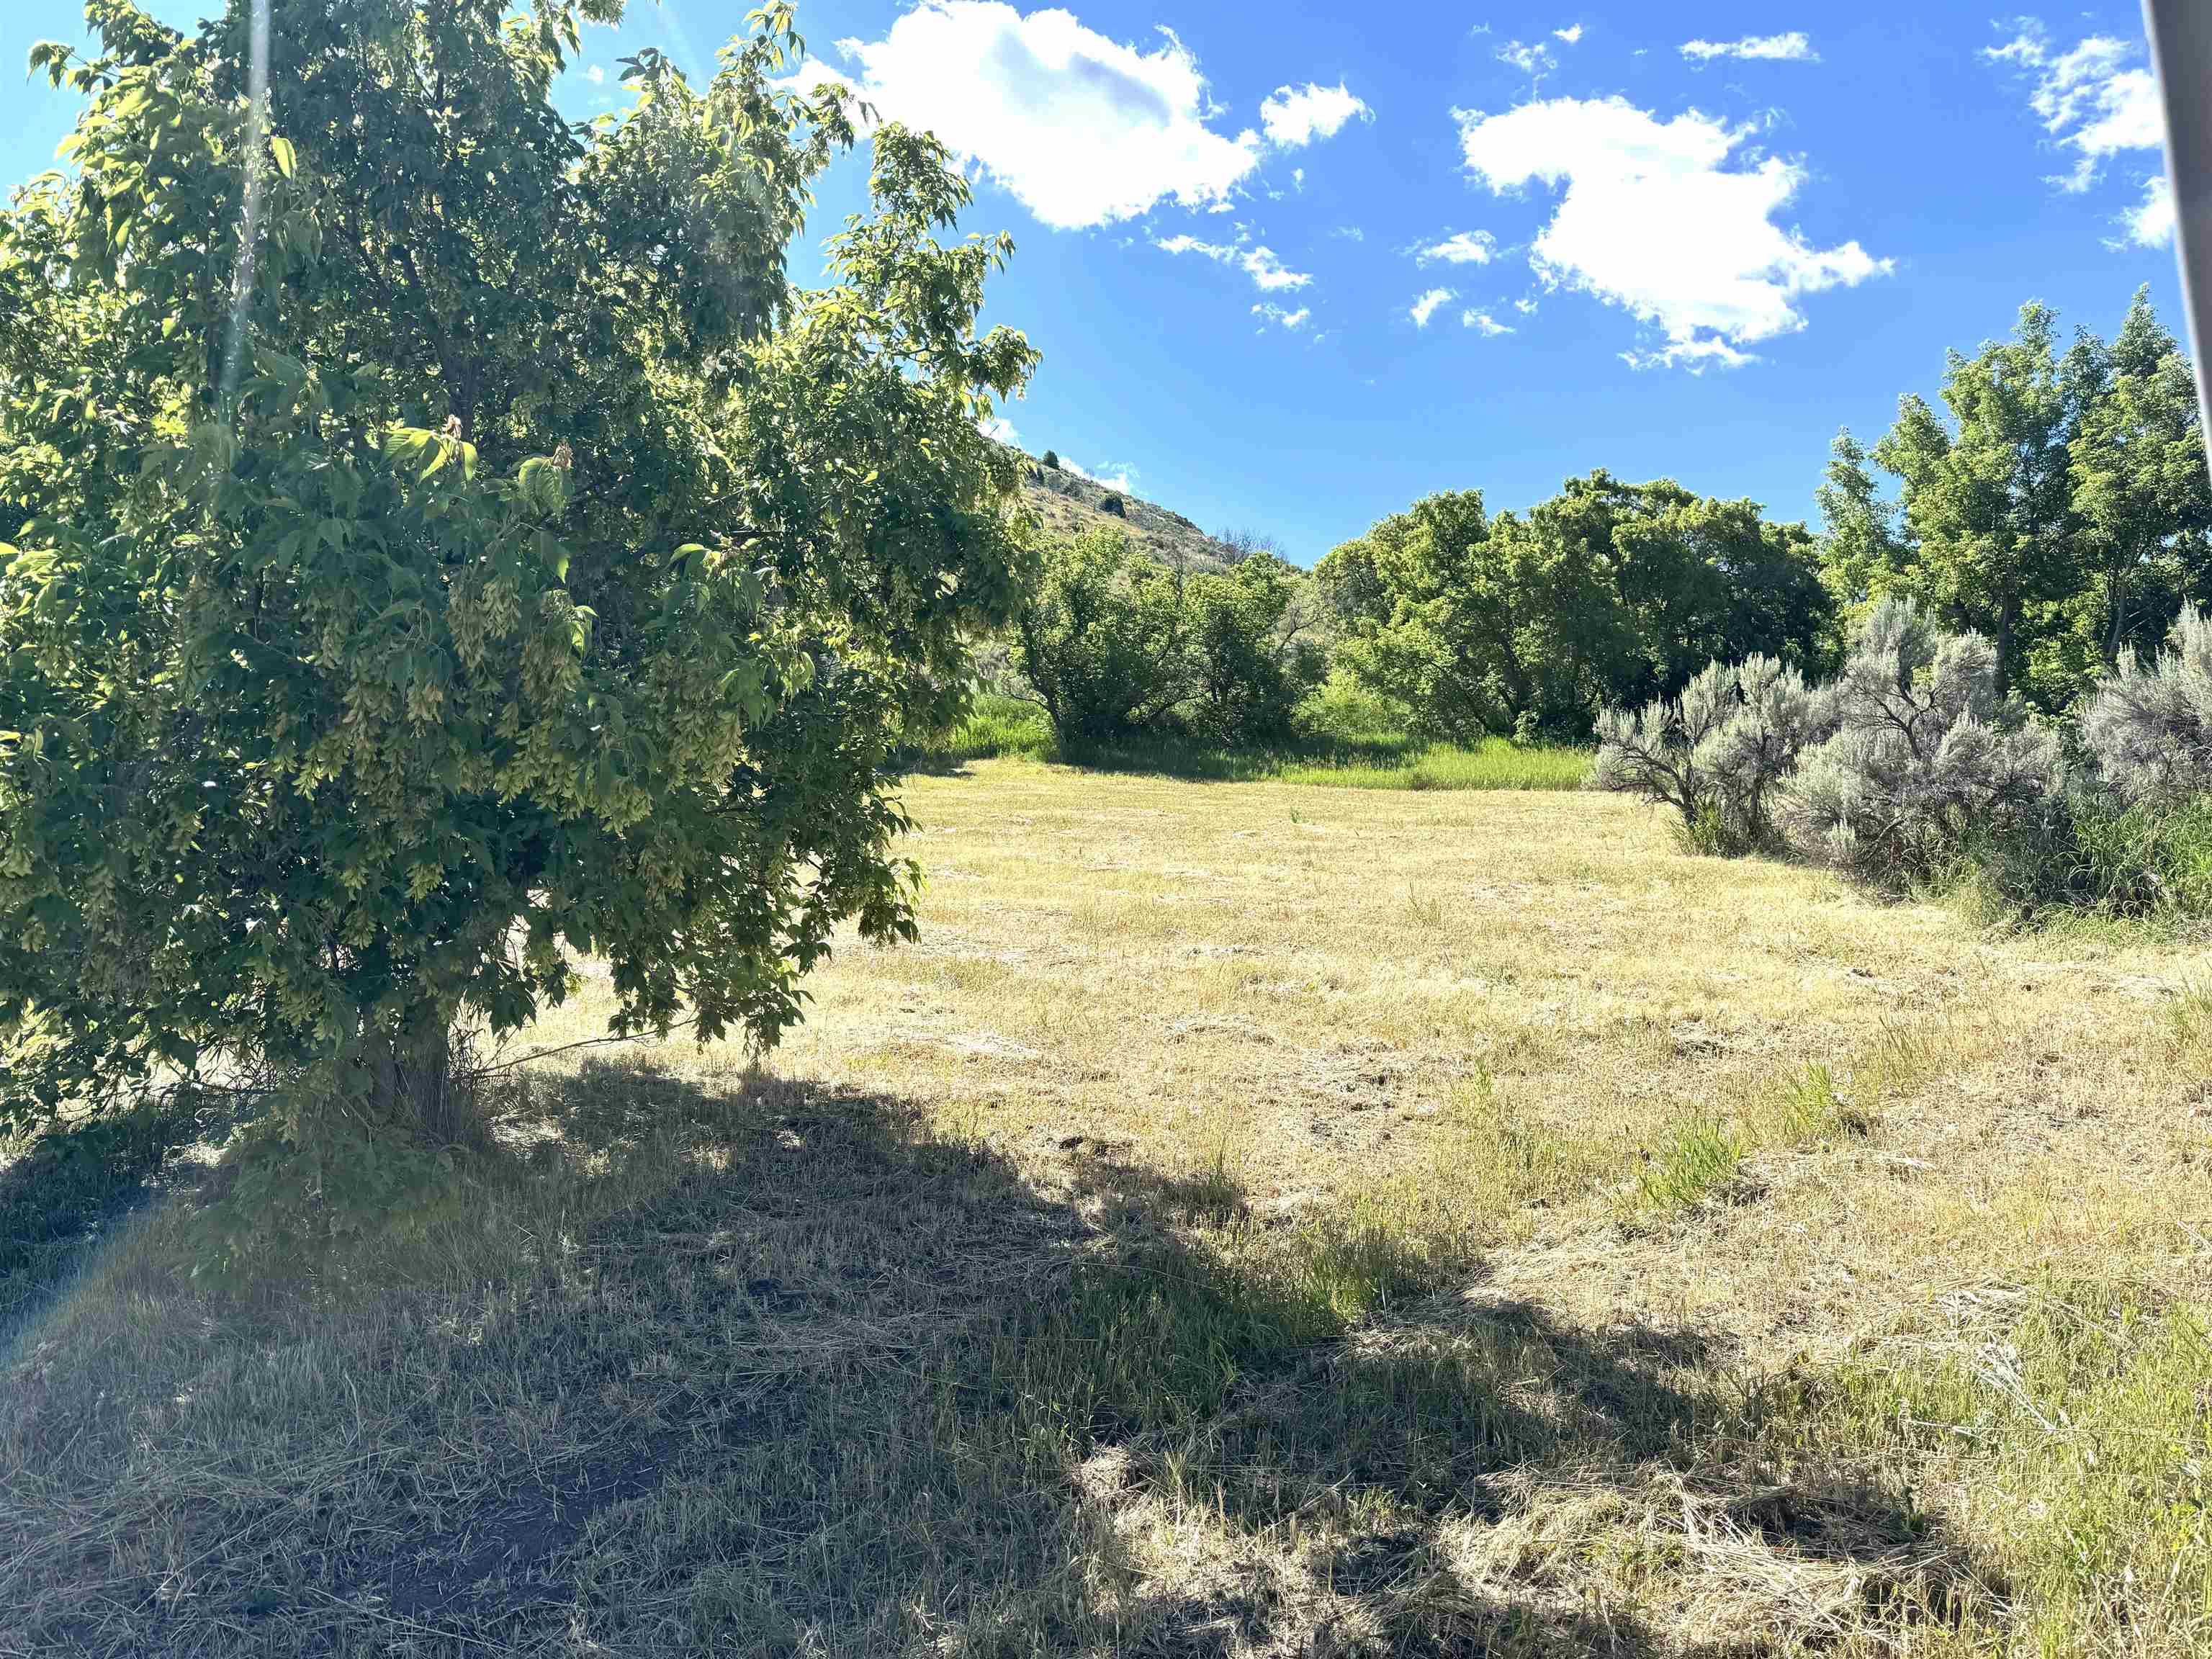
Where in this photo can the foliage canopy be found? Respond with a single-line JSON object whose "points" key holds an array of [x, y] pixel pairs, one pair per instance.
{"points": [[1114, 644], [443, 543], [1608, 593], [2056, 502]]}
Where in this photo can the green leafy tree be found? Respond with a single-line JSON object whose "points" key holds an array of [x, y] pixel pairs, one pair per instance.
{"points": [[2145, 500], [1438, 616], [1863, 554], [1252, 661], [1987, 494], [2057, 504], [1103, 640], [445, 544], [1609, 594]]}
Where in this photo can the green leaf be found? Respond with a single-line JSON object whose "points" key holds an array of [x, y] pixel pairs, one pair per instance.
{"points": [[281, 147]]}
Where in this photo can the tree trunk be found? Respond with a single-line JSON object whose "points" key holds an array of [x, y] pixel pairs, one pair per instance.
{"points": [[2008, 623], [411, 1081]]}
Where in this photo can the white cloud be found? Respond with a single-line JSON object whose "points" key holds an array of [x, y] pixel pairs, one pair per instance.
{"points": [[1467, 247], [595, 75], [1350, 233], [1654, 220], [1791, 48], [1275, 313], [1261, 265], [1000, 427], [1569, 35], [1188, 244], [1081, 128], [1292, 118], [1483, 322], [2092, 98], [1115, 477], [1696, 356], [1267, 271], [1525, 307], [1425, 307], [2150, 223], [1532, 61]]}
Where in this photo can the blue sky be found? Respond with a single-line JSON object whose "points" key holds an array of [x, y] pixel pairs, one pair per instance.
{"points": [[1289, 272]]}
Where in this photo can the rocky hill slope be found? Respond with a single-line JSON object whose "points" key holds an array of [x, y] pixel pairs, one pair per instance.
{"points": [[1067, 503]]}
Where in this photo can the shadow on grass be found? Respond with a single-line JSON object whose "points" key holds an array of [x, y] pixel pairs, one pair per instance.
{"points": [[767, 1368], [70, 1183]]}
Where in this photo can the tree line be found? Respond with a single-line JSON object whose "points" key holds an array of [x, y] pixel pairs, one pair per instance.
{"points": [[2054, 500]]}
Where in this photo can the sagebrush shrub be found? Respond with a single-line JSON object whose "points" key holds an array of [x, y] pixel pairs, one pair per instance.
{"points": [[2149, 730], [1928, 756], [1718, 753]]}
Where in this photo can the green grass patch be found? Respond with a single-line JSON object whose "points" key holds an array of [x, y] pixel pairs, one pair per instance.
{"points": [[2077, 1424], [1006, 728], [1696, 1158], [1806, 1109], [1495, 764]]}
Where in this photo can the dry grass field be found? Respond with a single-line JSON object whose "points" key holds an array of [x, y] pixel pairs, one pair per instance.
{"points": [[1255, 1219]]}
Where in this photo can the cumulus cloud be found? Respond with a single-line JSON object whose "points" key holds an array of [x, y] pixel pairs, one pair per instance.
{"points": [[1794, 47], [1484, 323], [1292, 118], [2094, 99], [596, 75], [1570, 34], [1083, 130], [1654, 218], [1427, 306], [1465, 247], [1274, 313], [2150, 223], [1261, 265], [999, 426]]}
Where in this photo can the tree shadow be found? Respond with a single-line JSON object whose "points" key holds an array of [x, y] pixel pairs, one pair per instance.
{"points": [[783, 1371], [69, 1186]]}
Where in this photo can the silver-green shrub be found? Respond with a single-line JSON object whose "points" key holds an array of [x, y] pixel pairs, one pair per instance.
{"points": [[1927, 758], [2148, 730], [1719, 754]]}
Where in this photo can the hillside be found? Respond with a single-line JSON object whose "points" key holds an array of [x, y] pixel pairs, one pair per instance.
{"points": [[1068, 503]]}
